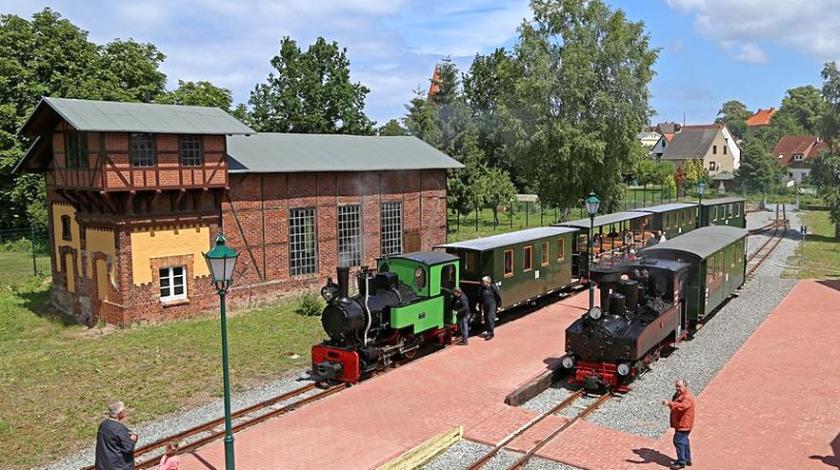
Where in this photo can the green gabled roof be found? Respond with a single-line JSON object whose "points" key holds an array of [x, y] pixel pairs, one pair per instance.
{"points": [[289, 153], [113, 116], [701, 242], [603, 219]]}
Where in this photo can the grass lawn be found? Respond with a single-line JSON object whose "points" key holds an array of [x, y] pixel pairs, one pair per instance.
{"points": [[822, 252], [56, 377], [467, 231]]}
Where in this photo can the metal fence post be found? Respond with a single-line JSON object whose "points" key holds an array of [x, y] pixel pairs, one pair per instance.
{"points": [[34, 264]]}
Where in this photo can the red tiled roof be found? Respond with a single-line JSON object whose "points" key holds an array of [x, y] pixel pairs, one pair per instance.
{"points": [[806, 145], [668, 137], [434, 87], [761, 117]]}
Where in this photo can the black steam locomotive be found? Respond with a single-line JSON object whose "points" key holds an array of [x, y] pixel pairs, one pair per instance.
{"points": [[641, 312]]}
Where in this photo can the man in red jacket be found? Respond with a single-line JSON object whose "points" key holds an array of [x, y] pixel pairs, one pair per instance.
{"points": [[682, 420]]}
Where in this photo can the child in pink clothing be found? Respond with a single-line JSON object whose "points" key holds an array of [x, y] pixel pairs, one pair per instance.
{"points": [[169, 461]]}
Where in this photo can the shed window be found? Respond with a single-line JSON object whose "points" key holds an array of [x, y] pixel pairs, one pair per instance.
{"points": [[303, 254], [545, 256], [561, 249], [142, 149], [172, 283], [189, 150], [66, 234], [528, 258], [391, 228], [508, 263], [349, 235], [75, 149]]}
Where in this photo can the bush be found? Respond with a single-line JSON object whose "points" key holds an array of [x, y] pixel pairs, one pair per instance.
{"points": [[309, 304]]}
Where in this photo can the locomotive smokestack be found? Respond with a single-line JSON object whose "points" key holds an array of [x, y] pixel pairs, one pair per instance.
{"points": [[343, 281]]}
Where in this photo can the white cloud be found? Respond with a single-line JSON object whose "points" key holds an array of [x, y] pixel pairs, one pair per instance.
{"points": [[751, 54], [808, 26], [392, 44]]}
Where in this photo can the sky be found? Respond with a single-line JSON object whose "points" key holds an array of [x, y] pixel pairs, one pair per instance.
{"points": [[711, 51]]}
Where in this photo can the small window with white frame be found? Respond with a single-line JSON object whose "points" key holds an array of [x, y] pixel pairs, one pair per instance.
{"points": [[173, 285]]}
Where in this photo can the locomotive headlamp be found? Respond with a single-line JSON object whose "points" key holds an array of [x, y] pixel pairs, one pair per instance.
{"points": [[623, 369], [595, 313], [568, 362], [329, 292]]}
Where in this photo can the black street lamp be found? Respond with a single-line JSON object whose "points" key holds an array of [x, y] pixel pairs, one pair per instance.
{"points": [[592, 203], [701, 188], [221, 260]]}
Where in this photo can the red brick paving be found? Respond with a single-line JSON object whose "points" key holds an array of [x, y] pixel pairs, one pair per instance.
{"points": [[772, 406]]}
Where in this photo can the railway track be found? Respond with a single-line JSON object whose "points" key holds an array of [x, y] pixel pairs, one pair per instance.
{"points": [[757, 258], [148, 455], [530, 424]]}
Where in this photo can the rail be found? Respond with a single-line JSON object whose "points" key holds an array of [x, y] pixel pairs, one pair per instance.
{"points": [[201, 435], [759, 256]]}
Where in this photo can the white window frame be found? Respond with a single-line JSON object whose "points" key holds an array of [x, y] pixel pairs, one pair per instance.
{"points": [[171, 279]]}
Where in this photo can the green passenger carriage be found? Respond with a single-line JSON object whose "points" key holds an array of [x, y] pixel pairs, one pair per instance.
{"points": [[673, 219], [526, 264], [717, 258], [723, 211]]}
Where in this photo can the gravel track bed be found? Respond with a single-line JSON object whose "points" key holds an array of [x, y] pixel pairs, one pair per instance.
{"points": [[464, 453], [640, 411], [178, 422]]}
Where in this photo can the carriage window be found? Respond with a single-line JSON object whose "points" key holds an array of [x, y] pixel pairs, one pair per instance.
{"points": [[528, 258], [734, 257], [737, 209], [447, 275], [561, 249], [508, 263], [545, 256], [582, 242], [470, 261]]}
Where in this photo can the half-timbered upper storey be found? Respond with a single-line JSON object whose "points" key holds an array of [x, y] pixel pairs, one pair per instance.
{"points": [[111, 146]]}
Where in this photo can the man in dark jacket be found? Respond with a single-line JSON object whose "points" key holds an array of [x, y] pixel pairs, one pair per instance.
{"points": [[490, 300], [114, 442], [461, 305]]}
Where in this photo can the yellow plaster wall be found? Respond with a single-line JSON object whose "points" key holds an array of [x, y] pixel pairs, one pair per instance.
{"points": [[100, 240], [146, 245], [60, 209]]}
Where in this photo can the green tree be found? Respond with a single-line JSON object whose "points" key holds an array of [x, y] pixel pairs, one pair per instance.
{"points": [[202, 93], [759, 172], [580, 96], [310, 92], [421, 120], [825, 171], [694, 172], [392, 128], [50, 56], [801, 113], [496, 189], [734, 115], [645, 171]]}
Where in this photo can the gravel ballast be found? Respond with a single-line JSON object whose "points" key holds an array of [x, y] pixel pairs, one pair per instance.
{"points": [[464, 453]]}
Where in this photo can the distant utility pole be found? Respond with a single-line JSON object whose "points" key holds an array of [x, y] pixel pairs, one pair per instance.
{"points": [[804, 231]]}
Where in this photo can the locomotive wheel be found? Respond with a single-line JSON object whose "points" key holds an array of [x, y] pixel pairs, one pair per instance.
{"points": [[410, 354]]}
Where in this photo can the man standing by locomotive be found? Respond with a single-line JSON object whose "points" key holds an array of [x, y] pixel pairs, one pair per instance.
{"points": [[462, 309], [490, 300], [682, 420]]}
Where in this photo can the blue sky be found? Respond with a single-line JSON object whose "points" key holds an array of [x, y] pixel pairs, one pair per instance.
{"points": [[712, 50]]}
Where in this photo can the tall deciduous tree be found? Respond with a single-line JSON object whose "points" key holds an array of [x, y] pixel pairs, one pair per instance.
{"points": [[50, 56], [580, 98], [392, 128], [758, 171], [201, 93], [825, 171], [734, 115], [310, 92], [497, 189]]}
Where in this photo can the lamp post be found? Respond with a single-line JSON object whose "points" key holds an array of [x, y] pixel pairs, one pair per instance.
{"points": [[592, 203], [221, 260], [701, 188]]}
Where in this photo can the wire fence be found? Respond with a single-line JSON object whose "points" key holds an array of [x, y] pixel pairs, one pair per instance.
{"points": [[24, 251]]}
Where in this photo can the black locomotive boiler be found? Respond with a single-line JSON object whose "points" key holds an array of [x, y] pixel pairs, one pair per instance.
{"points": [[641, 312]]}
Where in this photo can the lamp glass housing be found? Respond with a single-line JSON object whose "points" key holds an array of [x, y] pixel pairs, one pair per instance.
{"points": [[592, 203], [221, 261]]}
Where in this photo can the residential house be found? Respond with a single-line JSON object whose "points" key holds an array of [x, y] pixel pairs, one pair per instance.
{"points": [[659, 147], [649, 138], [796, 152], [761, 118], [712, 144]]}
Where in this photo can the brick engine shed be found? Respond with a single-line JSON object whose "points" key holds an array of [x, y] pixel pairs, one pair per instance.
{"points": [[137, 192]]}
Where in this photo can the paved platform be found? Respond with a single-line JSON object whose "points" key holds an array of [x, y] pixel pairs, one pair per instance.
{"points": [[377, 420], [772, 406]]}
